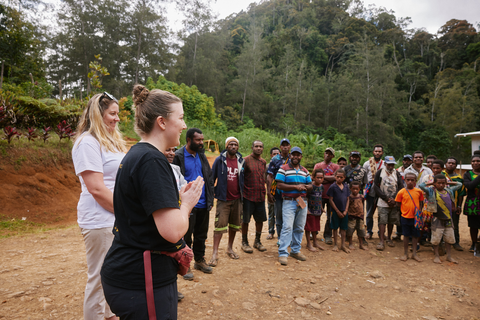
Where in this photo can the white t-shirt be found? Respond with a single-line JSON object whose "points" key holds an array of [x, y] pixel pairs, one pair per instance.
{"points": [[89, 156]]}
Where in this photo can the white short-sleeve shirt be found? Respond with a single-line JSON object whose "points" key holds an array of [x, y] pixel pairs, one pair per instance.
{"points": [[88, 155]]}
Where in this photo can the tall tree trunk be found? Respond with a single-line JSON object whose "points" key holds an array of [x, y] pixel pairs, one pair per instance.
{"points": [[139, 50], [395, 58], [244, 98]]}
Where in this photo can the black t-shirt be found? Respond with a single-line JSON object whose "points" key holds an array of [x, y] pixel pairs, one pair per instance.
{"points": [[145, 183]]}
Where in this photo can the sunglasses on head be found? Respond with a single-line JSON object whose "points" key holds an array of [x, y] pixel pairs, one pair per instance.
{"points": [[108, 95]]}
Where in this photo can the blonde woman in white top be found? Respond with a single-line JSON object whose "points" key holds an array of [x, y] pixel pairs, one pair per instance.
{"points": [[98, 150]]}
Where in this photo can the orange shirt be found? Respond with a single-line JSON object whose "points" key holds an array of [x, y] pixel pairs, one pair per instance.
{"points": [[408, 207]]}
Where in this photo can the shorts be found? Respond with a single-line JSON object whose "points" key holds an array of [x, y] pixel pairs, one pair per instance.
{"points": [[408, 228], [387, 215], [356, 224], [474, 222], [313, 223], [255, 209], [229, 214], [439, 230], [336, 222]]}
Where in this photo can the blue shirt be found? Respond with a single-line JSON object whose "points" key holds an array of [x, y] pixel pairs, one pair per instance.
{"points": [[193, 170], [289, 175], [340, 197]]}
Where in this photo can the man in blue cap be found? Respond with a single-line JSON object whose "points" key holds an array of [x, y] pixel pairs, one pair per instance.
{"points": [[274, 195], [294, 181], [387, 183]]}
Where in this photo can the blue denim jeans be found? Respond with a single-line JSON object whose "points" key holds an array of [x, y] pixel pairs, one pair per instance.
{"points": [[294, 219]]}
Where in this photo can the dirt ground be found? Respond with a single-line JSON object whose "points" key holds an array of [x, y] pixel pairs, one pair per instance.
{"points": [[43, 275]]}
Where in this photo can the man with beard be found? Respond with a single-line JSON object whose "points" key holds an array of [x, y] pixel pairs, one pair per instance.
{"points": [[228, 171], [387, 183], [193, 163], [329, 168], [371, 167], [354, 171], [294, 181], [274, 195], [254, 196]]}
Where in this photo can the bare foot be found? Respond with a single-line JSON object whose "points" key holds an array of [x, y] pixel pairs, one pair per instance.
{"points": [[404, 258], [417, 258], [437, 260], [345, 249], [335, 248], [317, 245], [311, 248], [362, 247], [351, 247], [452, 260]]}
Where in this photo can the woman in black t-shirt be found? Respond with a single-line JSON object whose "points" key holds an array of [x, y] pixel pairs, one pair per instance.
{"points": [[150, 213]]}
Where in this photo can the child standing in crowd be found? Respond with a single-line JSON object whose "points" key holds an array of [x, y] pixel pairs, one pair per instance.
{"points": [[342, 162], [338, 196], [355, 216], [409, 199], [315, 211], [442, 223]]}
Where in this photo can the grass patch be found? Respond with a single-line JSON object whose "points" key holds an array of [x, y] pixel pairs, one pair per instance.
{"points": [[12, 227]]}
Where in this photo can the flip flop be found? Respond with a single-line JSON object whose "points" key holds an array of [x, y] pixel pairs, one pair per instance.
{"points": [[390, 243], [380, 247], [232, 255], [213, 262]]}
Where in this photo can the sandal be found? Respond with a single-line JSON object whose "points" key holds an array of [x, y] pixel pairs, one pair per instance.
{"points": [[270, 236], [380, 247], [232, 255], [213, 262], [390, 243]]}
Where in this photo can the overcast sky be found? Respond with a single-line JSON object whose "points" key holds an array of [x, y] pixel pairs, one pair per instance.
{"points": [[428, 14]]}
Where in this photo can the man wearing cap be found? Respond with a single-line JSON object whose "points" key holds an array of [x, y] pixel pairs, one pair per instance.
{"points": [[371, 167], [406, 162], [294, 181], [254, 196], [193, 163], [354, 171], [329, 169], [274, 195], [228, 171], [387, 183]]}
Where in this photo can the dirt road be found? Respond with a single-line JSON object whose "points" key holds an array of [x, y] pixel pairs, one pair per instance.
{"points": [[42, 276]]}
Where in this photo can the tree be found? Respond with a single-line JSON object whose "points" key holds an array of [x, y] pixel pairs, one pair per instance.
{"points": [[20, 47]]}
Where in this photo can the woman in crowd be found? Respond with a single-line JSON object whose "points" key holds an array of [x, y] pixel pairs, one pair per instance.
{"points": [[471, 181], [151, 214], [98, 150]]}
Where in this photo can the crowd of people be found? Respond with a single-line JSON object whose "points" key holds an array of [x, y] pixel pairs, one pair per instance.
{"points": [[157, 200]]}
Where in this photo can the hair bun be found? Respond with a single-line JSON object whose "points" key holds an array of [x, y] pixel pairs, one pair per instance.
{"points": [[140, 94]]}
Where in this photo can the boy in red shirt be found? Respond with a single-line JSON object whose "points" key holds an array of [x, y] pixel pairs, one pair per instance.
{"points": [[409, 199]]}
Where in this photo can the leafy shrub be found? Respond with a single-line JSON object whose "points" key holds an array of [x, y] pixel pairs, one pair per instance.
{"points": [[10, 133], [31, 134], [64, 131]]}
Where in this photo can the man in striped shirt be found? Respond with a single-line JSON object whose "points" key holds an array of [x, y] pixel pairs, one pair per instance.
{"points": [[294, 181]]}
